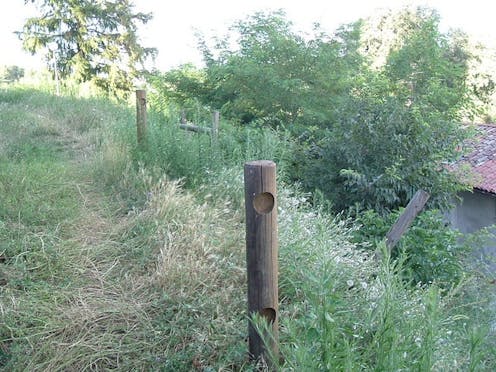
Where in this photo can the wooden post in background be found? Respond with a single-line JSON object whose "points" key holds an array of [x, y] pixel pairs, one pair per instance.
{"points": [[141, 117], [183, 117], [261, 257], [215, 125]]}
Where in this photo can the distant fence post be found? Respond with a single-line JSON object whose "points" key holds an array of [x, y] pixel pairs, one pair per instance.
{"points": [[261, 257], [183, 117], [141, 116], [215, 124]]}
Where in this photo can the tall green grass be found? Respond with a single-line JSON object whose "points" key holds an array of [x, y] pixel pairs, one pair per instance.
{"points": [[122, 267], [194, 157], [343, 310]]}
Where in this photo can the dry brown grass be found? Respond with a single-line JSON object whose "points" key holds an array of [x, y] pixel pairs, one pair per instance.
{"points": [[134, 301]]}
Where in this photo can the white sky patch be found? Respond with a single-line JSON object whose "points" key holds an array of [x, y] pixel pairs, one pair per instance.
{"points": [[172, 30]]}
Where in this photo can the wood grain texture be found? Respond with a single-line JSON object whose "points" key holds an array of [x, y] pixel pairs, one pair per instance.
{"points": [[215, 124], [261, 253]]}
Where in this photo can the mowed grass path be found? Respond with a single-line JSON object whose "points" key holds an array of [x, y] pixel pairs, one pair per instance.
{"points": [[104, 266]]}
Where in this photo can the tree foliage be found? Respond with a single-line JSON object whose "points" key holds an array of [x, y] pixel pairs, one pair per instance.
{"points": [[376, 111], [277, 75], [11, 73], [402, 121], [95, 41], [426, 97]]}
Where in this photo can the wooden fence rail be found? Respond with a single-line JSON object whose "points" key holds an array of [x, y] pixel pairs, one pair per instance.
{"points": [[213, 130], [195, 128]]}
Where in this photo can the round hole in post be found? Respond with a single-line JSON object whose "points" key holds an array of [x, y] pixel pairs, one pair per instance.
{"points": [[263, 203], [269, 314]]}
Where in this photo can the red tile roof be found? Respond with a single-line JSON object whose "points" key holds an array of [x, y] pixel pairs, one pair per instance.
{"points": [[482, 159]]}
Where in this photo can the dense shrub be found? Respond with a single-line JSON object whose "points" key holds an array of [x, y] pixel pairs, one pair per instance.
{"points": [[431, 250]]}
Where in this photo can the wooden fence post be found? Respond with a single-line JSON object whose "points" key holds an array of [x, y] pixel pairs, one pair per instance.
{"points": [[415, 205], [141, 117], [261, 258], [183, 117], [215, 124]]}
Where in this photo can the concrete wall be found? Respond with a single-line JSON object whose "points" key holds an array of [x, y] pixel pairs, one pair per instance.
{"points": [[476, 211]]}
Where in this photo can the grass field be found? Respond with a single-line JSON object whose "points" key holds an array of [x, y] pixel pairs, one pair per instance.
{"points": [[115, 259]]}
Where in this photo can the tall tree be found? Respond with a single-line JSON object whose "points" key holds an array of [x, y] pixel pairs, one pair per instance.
{"points": [[374, 111], [93, 40], [276, 75], [402, 120]]}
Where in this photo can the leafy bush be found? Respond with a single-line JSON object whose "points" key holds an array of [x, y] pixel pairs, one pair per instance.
{"points": [[11, 73], [432, 251], [372, 122]]}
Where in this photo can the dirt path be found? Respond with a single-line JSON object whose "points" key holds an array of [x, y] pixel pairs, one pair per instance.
{"points": [[105, 267], [62, 298]]}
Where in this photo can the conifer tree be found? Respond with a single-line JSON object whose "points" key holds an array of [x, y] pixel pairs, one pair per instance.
{"points": [[90, 40]]}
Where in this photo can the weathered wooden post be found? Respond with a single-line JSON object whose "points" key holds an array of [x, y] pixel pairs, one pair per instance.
{"points": [[215, 125], [183, 117], [413, 208], [261, 257], [141, 117]]}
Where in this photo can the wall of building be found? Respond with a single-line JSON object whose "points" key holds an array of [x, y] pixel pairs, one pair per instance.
{"points": [[477, 210]]}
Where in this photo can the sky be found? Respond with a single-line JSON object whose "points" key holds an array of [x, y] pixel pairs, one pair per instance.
{"points": [[172, 30]]}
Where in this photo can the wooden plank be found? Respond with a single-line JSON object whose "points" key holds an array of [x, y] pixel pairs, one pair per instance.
{"points": [[406, 218], [195, 128], [261, 257]]}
